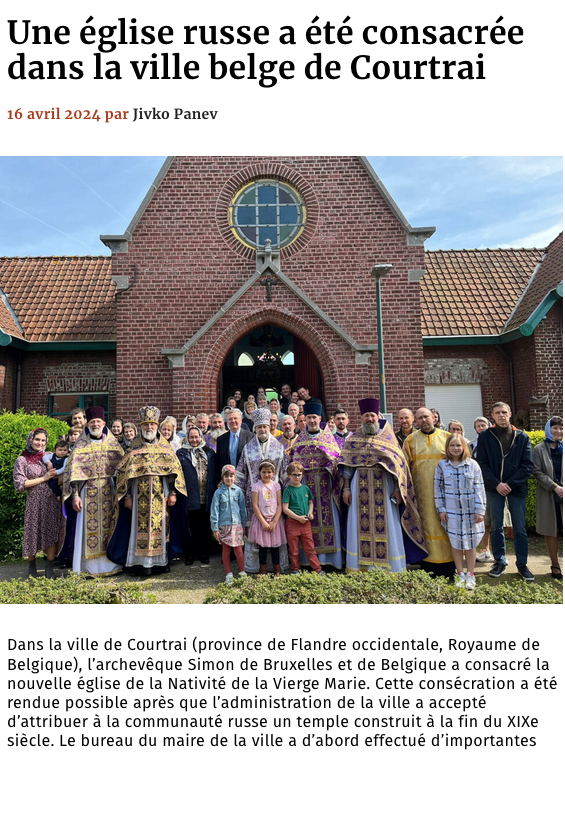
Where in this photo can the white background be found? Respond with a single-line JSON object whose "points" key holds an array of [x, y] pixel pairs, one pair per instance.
{"points": [[517, 110]]}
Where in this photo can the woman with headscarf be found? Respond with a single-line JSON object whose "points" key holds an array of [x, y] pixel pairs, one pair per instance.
{"points": [[42, 520], [129, 435], [548, 472], [249, 408], [193, 514], [168, 431]]}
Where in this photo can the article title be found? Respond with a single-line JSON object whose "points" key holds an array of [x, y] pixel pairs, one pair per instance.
{"points": [[329, 39]]}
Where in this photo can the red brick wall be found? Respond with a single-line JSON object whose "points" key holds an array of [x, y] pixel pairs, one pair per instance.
{"points": [[548, 340], [185, 264], [525, 375], [7, 379], [93, 372]]}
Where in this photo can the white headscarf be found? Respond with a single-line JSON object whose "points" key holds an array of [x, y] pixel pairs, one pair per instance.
{"points": [[195, 452]]}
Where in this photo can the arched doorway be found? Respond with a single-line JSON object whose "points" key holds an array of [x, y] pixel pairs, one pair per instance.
{"points": [[268, 357]]}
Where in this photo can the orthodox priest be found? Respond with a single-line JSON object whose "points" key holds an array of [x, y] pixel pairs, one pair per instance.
{"points": [[262, 447], [147, 482], [383, 525], [423, 449], [89, 481], [318, 452]]}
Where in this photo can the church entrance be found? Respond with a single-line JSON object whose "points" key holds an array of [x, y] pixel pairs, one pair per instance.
{"points": [[269, 356]]}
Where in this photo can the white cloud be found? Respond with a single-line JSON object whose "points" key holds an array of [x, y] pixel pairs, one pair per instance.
{"points": [[538, 239]]}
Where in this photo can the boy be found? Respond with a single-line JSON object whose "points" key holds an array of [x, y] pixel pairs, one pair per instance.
{"points": [[58, 459], [72, 436], [298, 506]]}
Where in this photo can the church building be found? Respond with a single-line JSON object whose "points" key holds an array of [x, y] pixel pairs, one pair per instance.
{"points": [[237, 272]]}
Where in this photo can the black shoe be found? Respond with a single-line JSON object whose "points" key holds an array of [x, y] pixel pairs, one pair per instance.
{"points": [[497, 569], [525, 572], [189, 562]]}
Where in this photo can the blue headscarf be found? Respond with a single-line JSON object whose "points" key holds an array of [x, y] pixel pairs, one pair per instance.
{"points": [[549, 438]]}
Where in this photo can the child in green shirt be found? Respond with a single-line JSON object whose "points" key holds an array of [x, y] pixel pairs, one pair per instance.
{"points": [[298, 507]]}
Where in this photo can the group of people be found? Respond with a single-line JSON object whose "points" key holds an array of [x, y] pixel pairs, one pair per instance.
{"points": [[280, 497]]}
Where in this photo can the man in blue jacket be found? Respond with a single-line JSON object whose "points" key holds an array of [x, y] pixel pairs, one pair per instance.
{"points": [[505, 457]]}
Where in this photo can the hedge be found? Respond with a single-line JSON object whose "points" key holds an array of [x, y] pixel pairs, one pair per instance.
{"points": [[14, 430], [72, 590], [536, 437], [378, 587]]}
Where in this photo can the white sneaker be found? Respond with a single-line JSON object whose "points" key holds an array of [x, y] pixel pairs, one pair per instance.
{"points": [[242, 574], [460, 580], [484, 557], [229, 578], [470, 582]]}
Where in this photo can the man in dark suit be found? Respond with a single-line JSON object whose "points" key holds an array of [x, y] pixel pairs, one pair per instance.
{"points": [[230, 445]]}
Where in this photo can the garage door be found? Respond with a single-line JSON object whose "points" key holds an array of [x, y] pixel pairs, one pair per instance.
{"points": [[456, 401]]}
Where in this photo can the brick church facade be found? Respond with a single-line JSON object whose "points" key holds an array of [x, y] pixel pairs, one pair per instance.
{"points": [[191, 290]]}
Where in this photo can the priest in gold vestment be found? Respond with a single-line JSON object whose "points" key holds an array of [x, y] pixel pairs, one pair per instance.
{"points": [[89, 480], [424, 448], [147, 482]]}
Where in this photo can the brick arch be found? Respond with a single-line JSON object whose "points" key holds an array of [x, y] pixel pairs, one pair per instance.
{"points": [[270, 169], [288, 321]]}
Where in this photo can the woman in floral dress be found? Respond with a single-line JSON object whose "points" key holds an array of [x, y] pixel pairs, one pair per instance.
{"points": [[42, 519]]}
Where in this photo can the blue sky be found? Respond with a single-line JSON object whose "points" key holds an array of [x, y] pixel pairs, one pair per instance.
{"points": [[60, 205]]}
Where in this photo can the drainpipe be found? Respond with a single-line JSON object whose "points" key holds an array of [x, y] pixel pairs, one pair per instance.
{"points": [[18, 389], [510, 361]]}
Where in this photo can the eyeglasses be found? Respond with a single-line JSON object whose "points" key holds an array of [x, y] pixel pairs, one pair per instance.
{"points": [[296, 475]]}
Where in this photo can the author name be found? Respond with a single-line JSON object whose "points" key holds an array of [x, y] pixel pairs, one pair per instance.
{"points": [[172, 114]]}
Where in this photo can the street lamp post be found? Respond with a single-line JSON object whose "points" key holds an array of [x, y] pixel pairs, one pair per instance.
{"points": [[378, 272]]}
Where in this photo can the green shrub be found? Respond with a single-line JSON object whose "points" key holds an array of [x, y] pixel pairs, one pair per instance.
{"points": [[547, 592], [14, 430], [72, 590], [536, 437], [377, 587]]}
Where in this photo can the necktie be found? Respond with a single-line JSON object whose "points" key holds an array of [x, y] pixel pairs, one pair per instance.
{"points": [[233, 449]]}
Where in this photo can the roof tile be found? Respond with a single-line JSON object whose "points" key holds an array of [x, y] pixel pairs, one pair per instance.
{"points": [[545, 278], [473, 292], [61, 298]]}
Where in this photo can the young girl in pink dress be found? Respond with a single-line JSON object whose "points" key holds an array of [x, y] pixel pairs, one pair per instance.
{"points": [[267, 530]]}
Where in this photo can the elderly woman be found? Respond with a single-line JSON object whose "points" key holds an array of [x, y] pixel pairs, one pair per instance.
{"points": [[548, 472], [197, 462], [42, 520], [248, 409], [455, 427]]}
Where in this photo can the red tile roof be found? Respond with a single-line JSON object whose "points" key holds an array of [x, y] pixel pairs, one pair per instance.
{"points": [[60, 298], [464, 293], [8, 323], [473, 292], [545, 278]]}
